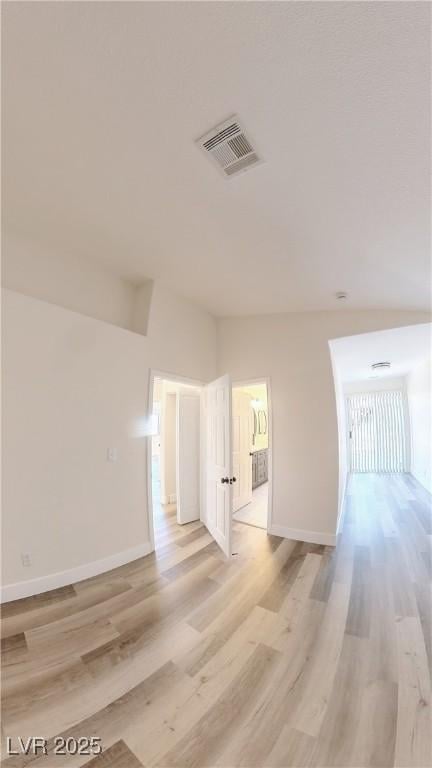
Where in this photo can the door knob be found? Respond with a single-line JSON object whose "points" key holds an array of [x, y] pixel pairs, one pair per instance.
{"points": [[250, 453], [233, 480], [225, 479]]}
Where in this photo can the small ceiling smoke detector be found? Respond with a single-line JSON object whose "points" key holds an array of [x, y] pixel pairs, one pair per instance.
{"points": [[378, 366], [341, 295], [229, 147]]}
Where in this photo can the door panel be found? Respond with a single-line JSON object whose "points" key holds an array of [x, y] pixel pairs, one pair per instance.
{"points": [[219, 461], [188, 456], [242, 444], [236, 452]]}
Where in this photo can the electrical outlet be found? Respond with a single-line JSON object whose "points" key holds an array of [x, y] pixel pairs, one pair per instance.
{"points": [[25, 559]]}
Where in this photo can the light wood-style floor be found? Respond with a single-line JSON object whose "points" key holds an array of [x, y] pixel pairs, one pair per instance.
{"points": [[256, 512], [290, 655]]}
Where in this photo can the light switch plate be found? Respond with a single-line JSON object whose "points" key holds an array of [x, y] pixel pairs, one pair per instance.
{"points": [[112, 454]]}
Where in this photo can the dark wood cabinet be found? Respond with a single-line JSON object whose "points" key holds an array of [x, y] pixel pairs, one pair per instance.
{"points": [[259, 467]]}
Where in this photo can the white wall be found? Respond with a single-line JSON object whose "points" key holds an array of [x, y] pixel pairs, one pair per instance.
{"points": [[141, 303], [293, 350], [182, 336], [342, 442], [168, 440], [419, 402], [72, 387], [69, 281], [388, 383]]}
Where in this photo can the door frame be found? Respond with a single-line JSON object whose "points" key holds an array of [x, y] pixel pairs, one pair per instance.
{"points": [[267, 381], [155, 373], [196, 396]]}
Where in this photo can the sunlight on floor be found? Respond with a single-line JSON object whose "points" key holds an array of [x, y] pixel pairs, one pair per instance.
{"points": [[255, 513]]}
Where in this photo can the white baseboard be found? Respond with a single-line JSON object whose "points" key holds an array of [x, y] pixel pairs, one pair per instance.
{"points": [[312, 537], [64, 578], [425, 483]]}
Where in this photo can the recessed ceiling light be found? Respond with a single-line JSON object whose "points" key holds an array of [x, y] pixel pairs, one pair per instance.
{"points": [[376, 366], [341, 295]]}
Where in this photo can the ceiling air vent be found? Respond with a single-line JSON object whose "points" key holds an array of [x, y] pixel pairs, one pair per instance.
{"points": [[378, 366], [228, 146]]}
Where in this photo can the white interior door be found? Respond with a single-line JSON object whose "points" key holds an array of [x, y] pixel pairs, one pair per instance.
{"points": [[188, 456], [242, 446], [219, 479]]}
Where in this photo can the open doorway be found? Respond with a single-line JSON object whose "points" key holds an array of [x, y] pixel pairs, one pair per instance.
{"points": [[383, 411], [251, 449], [201, 494], [175, 454], [191, 462]]}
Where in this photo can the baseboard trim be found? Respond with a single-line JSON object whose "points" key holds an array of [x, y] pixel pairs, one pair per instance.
{"points": [[422, 482], [41, 584], [312, 537]]}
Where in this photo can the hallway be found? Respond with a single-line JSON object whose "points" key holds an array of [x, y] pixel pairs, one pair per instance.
{"points": [[292, 654]]}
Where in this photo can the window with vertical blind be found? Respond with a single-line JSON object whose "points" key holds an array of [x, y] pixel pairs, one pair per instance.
{"points": [[377, 435]]}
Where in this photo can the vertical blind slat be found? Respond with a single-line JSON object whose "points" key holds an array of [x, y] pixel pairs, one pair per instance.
{"points": [[377, 432]]}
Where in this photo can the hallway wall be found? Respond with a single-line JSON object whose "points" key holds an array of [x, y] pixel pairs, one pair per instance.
{"points": [[181, 336], [293, 350], [419, 402], [73, 386], [343, 458], [67, 280]]}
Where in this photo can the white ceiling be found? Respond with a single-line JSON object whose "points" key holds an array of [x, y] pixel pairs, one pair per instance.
{"points": [[102, 103], [404, 348]]}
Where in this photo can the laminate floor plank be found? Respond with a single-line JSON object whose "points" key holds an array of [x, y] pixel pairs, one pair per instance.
{"points": [[36, 601], [336, 744], [319, 676], [13, 643], [67, 708], [376, 732], [204, 742], [275, 705], [424, 605], [30, 693], [292, 748], [117, 756], [290, 655], [358, 619], [413, 740], [113, 720], [183, 710]]}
